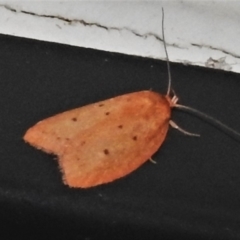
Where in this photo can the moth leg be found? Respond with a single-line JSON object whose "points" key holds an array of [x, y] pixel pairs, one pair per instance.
{"points": [[152, 161], [174, 125]]}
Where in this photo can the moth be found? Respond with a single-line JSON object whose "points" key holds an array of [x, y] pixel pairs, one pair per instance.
{"points": [[107, 140]]}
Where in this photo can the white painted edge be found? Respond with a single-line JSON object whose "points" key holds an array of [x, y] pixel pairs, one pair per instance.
{"points": [[203, 33]]}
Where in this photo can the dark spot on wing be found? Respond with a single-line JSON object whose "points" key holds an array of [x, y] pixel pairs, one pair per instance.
{"points": [[120, 126], [74, 119], [135, 138], [107, 113], [106, 152], [83, 143], [101, 104]]}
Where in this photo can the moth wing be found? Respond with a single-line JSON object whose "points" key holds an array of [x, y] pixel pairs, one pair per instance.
{"points": [[129, 130], [53, 133]]}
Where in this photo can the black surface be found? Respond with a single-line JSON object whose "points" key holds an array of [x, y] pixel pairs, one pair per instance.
{"points": [[193, 192]]}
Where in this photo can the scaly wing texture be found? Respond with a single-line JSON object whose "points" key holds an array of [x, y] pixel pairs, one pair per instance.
{"points": [[101, 142], [53, 133], [134, 127]]}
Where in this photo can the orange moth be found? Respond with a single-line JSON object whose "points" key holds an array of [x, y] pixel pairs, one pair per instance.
{"points": [[107, 140]]}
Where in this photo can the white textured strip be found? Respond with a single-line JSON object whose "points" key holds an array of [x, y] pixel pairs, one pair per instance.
{"points": [[204, 33]]}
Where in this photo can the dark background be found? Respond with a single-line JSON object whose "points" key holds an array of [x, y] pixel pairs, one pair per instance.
{"points": [[193, 192]]}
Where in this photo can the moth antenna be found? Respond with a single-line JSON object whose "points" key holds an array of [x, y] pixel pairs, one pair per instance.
{"points": [[168, 64], [223, 126]]}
